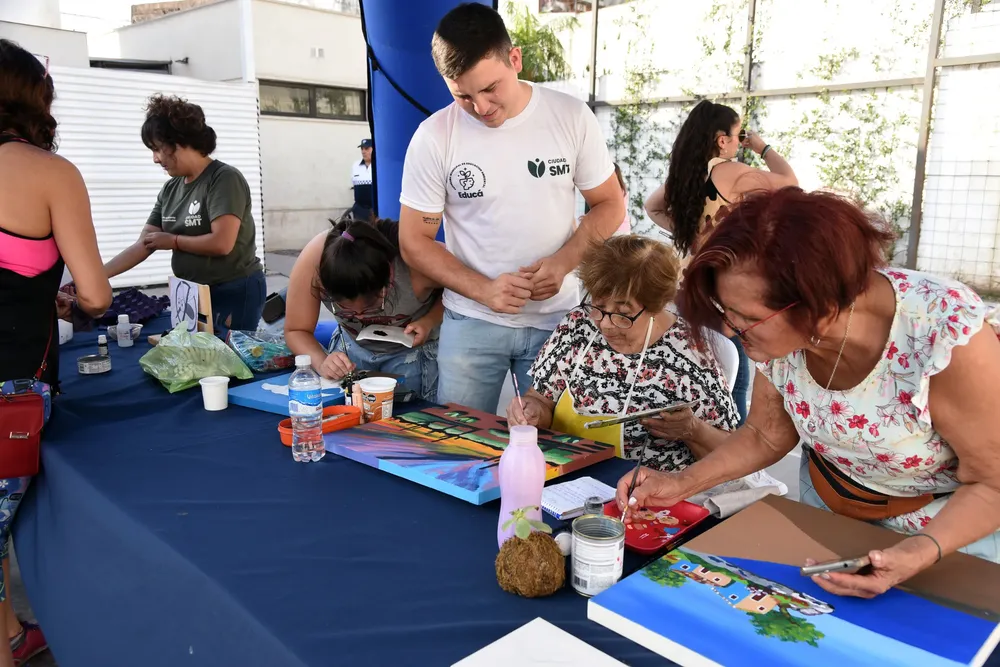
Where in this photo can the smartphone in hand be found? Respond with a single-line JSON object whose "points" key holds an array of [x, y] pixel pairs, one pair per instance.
{"points": [[848, 565]]}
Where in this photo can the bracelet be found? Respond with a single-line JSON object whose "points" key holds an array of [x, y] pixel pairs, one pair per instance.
{"points": [[177, 238], [766, 149], [931, 538]]}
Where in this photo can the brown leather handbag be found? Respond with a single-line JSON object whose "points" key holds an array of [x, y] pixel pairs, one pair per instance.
{"points": [[22, 417], [846, 497]]}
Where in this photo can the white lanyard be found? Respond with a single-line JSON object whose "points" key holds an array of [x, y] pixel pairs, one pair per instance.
{"points": [[642, 359]]}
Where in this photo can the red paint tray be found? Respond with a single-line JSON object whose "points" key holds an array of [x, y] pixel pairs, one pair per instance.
{"points": [[653, 528]]}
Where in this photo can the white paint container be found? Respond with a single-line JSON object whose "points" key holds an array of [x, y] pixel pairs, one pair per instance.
{"points": [[598, 553]]}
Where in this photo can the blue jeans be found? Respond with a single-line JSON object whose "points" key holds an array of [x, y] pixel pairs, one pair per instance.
{"points": [[237, 304], [475, 356], [418, 366], [742, 380]]}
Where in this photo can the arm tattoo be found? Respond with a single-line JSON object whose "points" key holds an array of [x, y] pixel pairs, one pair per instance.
{"points": [[431, 221]]}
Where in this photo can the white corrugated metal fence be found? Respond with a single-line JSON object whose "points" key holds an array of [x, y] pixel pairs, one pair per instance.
{"points": [[100, 113]]}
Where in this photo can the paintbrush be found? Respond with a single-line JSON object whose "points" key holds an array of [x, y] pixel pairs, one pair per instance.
{"points": [[517, 392], [635, 476]]}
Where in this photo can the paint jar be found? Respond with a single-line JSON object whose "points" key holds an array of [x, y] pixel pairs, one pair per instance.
{"points": [[376, 398], [598, 553], [593, 505]]}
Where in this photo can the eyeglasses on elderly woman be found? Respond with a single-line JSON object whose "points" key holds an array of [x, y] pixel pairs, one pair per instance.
{"points": [[620, 320]]}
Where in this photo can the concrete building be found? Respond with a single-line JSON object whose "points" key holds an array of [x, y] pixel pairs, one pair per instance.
{"points": [[311, 66]]}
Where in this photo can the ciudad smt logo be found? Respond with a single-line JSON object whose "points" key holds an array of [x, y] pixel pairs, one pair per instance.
{"points": [[554, 167]]}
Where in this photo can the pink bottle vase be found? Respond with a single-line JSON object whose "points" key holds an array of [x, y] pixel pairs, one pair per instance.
{"points": [[522, 477]]}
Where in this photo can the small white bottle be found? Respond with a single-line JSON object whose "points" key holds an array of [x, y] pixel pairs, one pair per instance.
{"points": [[124, 332], [102, 345]]}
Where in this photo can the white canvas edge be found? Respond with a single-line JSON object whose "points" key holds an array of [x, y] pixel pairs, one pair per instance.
{"points": [[528, 634], [987, 648], [645, 637]]}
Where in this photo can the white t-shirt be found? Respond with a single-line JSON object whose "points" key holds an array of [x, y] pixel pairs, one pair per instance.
{"points": [[508, 194], [361, 174]]}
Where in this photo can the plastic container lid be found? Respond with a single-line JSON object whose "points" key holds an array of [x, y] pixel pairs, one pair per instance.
{"points": [[523, 435], [102, 339], [303, 360], [123, 319]]}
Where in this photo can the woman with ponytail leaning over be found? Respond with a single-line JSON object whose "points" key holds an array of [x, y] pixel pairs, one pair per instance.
{"points": [[202, 214], [703, 180], [356, 271], [45, 225]]}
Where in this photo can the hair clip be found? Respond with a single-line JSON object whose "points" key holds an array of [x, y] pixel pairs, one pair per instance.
{"points": [[347, 235]]}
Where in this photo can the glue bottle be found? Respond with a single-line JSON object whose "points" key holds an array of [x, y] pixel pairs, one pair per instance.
{"points": [[522, 477], [124, 331]]}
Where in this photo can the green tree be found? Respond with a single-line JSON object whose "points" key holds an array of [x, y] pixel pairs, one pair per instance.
{"points": [[660, 572], [542, 53], [781, 625]]}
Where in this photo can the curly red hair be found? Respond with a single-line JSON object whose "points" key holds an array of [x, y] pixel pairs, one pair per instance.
{"points": [[813, 249]]}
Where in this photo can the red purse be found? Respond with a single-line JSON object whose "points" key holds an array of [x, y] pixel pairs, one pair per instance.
{"points": [[22, 417]]}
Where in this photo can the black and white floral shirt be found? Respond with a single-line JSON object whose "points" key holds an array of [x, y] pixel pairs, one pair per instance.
{"points": [[674, 371]]}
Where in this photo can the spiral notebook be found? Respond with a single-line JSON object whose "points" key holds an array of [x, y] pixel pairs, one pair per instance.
{"points": [[566, 499]]}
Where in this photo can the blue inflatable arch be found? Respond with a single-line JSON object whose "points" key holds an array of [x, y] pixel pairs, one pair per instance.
{"points": [[404, 86]]}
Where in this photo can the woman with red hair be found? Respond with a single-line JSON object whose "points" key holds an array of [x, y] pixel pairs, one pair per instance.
{"points": [[888, 377]]}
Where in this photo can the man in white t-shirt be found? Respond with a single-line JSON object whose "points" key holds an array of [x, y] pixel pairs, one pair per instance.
{"points": [[500, 166]]}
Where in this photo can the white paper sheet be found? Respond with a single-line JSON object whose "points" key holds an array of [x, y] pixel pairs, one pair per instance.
{"points": [[535, 644]]}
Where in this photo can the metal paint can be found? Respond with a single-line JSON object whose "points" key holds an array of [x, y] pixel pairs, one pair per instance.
{"points": [[93, 364], [598, 553]]}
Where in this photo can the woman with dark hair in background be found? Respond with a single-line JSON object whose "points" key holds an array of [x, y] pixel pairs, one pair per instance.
{"points": [[45, 226], [357, 272], [202, 214], [703, 180]]}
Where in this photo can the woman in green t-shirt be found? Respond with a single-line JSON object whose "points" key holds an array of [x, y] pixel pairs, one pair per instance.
{"points": [[202, 214]]}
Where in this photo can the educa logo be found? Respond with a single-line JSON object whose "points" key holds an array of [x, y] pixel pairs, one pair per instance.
{"points": [[536, 168]]}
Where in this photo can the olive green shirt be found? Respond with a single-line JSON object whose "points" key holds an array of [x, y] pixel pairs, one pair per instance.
{"points": [[188, 209]]}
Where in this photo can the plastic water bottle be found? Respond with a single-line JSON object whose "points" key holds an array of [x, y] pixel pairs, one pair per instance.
{"points": [[305, 407], [522, 477]]}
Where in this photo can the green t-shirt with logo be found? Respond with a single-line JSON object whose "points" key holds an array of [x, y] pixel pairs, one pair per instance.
{"points": [[188, 209]]}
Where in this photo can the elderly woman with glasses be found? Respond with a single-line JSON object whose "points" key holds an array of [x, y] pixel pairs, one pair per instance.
{"points": [[888, 377], [356, 271], [621, 352]]}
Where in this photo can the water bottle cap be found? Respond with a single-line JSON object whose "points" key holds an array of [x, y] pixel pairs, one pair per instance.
{"points": [[102, 339], [303, 360], [123, 319], [523, 435]]}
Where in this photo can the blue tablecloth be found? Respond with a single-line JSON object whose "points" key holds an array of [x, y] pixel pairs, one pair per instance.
{"points": [[161, 534]]}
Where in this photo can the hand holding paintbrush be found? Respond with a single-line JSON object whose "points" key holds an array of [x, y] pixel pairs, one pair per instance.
{"points": [[522, 412], [643, 487]]}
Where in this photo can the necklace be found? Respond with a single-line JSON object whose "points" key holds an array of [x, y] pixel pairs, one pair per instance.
{"points": [[843, 343]]}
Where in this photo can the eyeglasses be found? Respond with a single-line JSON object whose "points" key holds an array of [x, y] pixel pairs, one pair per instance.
{"points": [[620, 320], [741, 333], [45, 61], [348, 313]]}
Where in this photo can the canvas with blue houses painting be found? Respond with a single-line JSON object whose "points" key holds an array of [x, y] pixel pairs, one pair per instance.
{"points": [[271, 394], [700, 609]]}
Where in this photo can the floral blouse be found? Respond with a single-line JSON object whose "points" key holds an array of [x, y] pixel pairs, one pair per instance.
{"points": [[672, 372], [880, 432]]}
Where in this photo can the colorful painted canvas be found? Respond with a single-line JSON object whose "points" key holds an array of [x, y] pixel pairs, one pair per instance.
{"points": [[271, 394], [769, 614], [455, 450]]}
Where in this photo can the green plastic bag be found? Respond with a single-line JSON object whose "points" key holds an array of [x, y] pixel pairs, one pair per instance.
{"points": [[182, 358]]}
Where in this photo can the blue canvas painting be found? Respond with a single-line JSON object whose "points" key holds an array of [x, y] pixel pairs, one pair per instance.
{"points": [[271, 394], [771, 615]]}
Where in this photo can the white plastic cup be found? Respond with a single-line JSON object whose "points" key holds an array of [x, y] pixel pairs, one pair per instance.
{"points": [[215, 392], [377, 398]]}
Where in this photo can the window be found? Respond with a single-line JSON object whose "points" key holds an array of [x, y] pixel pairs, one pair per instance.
{"points": [[298, 99]]}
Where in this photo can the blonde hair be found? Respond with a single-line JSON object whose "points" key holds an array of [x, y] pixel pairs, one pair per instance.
{"points": [[631, 267]]}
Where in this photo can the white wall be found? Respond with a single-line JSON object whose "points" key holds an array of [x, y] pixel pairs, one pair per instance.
{"points": [[34, 12], [63, 47], [307, 161], [286, 37], [307, 175], [208, 36]]}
